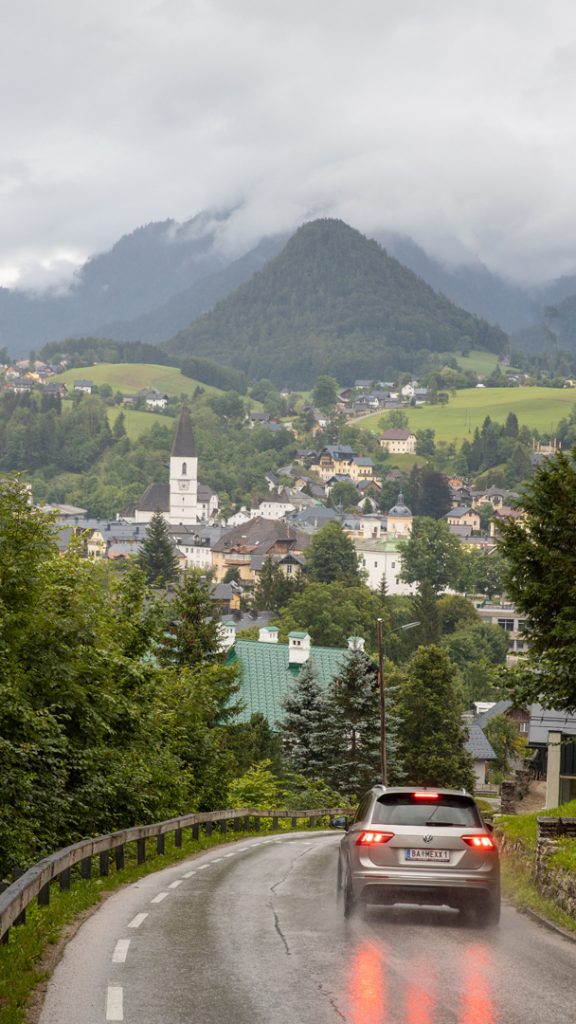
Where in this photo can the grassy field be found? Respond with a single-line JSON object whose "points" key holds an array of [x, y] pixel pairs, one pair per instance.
{"points": [[132, 377], [539, 408], [478, 362], [137, 422]]}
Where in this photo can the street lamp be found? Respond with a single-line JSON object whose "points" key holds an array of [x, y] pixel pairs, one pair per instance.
{"points": [[383, 755]]}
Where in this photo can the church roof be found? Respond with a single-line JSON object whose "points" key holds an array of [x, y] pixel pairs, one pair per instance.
{"points": [[184, 445], [156, 496]]}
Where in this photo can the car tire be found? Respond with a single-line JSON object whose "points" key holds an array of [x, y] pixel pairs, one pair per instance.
{"points": [[489, 913], [350, 904], [339, 880]]}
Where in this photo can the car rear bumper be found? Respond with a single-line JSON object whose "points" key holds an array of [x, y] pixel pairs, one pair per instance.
{"points": [[451, 888]]}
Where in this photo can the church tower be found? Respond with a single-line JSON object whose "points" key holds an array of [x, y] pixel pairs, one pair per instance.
{"points": [[184, 509]]}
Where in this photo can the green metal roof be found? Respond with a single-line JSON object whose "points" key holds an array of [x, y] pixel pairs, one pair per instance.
{"points": [[266, 677]]}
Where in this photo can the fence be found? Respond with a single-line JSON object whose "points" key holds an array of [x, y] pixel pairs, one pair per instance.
{"points": [[35, 882]]}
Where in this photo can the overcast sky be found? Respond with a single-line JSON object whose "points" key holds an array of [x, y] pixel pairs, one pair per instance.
{"points": [[451, 121]]}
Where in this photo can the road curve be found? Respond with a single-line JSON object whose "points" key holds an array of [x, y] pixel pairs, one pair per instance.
{"points": [[250, 933]]}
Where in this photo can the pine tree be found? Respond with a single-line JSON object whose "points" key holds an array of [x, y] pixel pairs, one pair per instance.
{"points": [[302, 723], [350, 734], [425, 611], [194, 633], [157, 557], [431, 734]]}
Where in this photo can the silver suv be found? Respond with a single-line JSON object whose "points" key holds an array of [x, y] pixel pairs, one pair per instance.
{"points": [[419, 845]]}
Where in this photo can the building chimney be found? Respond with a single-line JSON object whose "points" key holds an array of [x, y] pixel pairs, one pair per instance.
{"points": [[355, 643], [298, 648], [227, 635], [268, 635]]}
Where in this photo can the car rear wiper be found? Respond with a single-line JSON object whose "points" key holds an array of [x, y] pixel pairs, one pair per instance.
{"points": [[446, 824]]}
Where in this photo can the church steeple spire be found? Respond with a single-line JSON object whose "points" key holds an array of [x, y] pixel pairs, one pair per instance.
{"points": [[184, 445]]}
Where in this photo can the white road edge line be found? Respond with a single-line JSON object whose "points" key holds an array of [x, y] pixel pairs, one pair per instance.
{"points": [[121, 951], [137, 921], [174, 885], [158, 899], [115, 1003]]}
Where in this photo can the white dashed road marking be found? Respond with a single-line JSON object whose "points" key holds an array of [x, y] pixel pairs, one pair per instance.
{"points": [[174, 885], [158, 899], [189, 874], [115, 1003], [137, 921], [120, 951], [203, 867]]}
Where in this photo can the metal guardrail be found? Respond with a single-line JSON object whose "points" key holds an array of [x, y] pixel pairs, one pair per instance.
{"points": [[35, 882]]}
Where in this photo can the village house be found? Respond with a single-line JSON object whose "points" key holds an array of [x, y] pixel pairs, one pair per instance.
{"points": [[463, 515], [246, 547], [398, 441], [85, 387]]}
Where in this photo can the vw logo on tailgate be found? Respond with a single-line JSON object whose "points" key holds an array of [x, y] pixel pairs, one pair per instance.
{"points": [[427, 839]]}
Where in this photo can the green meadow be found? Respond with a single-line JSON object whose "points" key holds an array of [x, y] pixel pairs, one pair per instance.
{"points": [[132, 377], [538, 408], [137, 422]]}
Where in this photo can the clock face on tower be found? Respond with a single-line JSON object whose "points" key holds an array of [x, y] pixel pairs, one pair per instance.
{"points": [[183, 485]]}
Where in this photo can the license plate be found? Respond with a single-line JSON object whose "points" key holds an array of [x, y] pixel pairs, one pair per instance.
{"points": [[427, 855]]}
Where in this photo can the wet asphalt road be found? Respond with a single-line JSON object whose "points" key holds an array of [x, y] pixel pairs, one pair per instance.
{"points": [[250, 933]]}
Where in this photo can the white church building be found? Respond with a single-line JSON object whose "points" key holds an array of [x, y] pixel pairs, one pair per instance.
{"points": [[183, 500]]}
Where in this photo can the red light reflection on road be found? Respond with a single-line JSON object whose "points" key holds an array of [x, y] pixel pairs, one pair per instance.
{"points": [[368, 986], [420, 1000], [476, 1006]]}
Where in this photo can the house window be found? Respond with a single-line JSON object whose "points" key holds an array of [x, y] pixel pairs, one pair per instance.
{"points": [[288, 568], [184, 469], [375, 565], [392, 565], [507, 624]]}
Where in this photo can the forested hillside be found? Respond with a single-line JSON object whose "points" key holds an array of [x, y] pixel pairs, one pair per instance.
{"points": [[333, 300]]}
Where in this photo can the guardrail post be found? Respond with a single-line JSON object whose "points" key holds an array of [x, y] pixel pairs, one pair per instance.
{"points": [[5, 938], [140, 851], [224, 825], [17, 873], [178, 838], [208, 828], [104, 863], [86, 868], [237, 824], [312, 821], [119, 857], [195, 830], [160, 843], [294, 823], [44, 896], [256, 824], [275, 824], [247, 823], [64, 880]]}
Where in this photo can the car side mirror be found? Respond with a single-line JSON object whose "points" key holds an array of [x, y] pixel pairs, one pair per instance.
{"points": [[339, 821]]}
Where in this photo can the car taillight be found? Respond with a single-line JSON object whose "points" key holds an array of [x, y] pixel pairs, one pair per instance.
{"points": [[425, 796], [374, 838], [482, 842]]}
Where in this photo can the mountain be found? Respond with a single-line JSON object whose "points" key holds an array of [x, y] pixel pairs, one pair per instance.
{"points": [[470, 285], [332, 301], [190, 303], [141, 272]]}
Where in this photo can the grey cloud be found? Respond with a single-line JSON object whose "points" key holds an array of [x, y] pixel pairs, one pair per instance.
{"points": [[452, 123]]}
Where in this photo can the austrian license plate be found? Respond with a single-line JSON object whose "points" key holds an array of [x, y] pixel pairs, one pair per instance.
{"points": [[427, 856]]}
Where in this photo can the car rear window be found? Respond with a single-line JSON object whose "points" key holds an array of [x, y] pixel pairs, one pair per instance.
{"points": [[404, 809]]}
